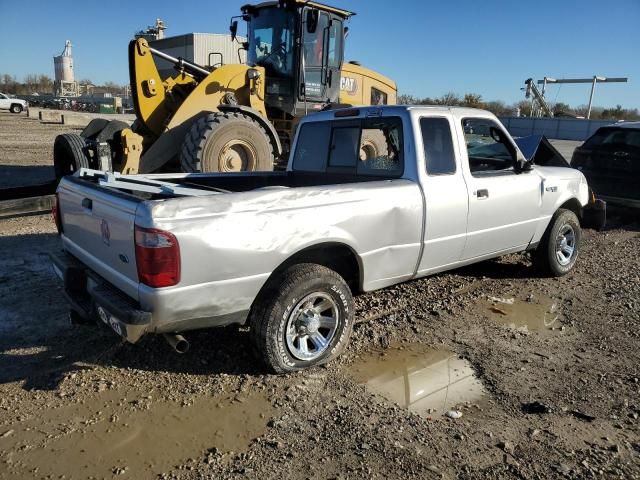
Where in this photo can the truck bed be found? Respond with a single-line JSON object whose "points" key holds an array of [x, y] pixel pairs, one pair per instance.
{"points": [[223, 182]]}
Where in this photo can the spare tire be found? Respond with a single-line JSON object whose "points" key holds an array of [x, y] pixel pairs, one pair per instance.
{"points": [[69, 154], [227, 142]]}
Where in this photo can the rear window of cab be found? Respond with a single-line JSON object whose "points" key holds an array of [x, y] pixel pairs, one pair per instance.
{"points": [[369, 146], [614, 136]]}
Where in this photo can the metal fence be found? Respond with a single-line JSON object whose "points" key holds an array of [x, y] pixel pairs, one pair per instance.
{"points": [[558, 128]]}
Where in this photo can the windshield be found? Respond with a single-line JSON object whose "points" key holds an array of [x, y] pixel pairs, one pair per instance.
{"points": [[271, 41]]}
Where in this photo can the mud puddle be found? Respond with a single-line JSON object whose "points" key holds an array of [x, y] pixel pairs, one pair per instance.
{"points": [[539, 314], [426, 381], [132, 435]]}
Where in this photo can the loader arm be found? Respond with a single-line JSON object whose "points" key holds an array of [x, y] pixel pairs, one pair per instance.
{"points": [[168, 108]]}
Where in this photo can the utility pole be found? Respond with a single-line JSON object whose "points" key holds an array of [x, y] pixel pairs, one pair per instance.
{"points": [[593, 80]]}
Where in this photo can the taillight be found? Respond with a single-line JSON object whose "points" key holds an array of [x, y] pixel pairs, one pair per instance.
{"points": [[157, 257], [55, 212]]}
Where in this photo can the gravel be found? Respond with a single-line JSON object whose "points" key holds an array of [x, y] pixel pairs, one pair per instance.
{"points": [[580, 384]]}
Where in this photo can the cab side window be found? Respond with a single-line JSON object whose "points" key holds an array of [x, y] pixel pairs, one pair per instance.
{"points": [[488, 147], [438, 146]]}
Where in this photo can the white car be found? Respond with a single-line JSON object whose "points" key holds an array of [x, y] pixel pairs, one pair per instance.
{"points": [[14, 105]]}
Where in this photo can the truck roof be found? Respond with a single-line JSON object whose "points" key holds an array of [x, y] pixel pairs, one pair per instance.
{"points": [[385, 110]]}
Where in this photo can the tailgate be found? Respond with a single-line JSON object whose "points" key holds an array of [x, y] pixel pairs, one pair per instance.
{"points": [[98, 229]]}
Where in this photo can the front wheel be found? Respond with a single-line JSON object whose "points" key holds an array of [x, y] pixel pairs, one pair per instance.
{"points": [[304, 318], [16, 108], [558, 249]]}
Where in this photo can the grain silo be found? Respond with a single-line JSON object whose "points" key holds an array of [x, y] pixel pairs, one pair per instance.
{"points": [[65, 84]]}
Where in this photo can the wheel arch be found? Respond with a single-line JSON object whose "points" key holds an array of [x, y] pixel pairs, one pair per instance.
{"points": [[337, 256], [572, 204]]}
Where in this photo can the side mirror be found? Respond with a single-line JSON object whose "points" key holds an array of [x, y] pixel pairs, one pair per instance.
{"points": [[233, 28], [496, 134], [312, 20]]}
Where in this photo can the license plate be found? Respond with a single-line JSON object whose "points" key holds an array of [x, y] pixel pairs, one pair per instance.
{"points": [[110, 320]]}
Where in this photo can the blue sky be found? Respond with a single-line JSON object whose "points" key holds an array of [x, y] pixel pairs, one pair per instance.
{"points": [[428, 47]]}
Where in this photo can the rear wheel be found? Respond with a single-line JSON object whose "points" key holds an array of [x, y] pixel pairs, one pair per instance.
{"points": [[302, 319], [16, 108], [69, 154], [558, 249], [226, 142]]}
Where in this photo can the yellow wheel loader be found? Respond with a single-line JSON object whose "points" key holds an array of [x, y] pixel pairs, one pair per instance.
{"points": [[234, 117]]}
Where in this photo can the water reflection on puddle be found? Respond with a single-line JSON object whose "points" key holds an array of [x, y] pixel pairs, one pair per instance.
{"points": [[423, 380], [540, 314], [132, 435]]}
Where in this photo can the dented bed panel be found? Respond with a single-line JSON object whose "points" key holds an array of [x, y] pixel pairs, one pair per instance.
{"points": [[231, 243]]}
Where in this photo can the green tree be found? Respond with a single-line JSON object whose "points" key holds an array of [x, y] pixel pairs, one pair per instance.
{"points": [[472, 100], [562, 108]]}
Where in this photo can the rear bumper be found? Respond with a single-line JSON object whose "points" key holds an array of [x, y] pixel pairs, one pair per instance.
{"points": [[92, 297]]}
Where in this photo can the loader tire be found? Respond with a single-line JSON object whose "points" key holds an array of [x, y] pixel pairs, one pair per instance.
{"points": [[69, 154], [373, 145], [226, 142], [94, 127]]}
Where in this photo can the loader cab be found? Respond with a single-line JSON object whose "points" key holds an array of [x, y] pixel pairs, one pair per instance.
{"points": [[301, 46]]}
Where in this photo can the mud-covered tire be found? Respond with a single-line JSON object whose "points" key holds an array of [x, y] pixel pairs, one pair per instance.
{"points": [[69, 154], [558, 250], [278, 305], [16, 108], [226, 142]]}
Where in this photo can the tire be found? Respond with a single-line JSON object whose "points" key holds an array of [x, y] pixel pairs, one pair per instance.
{"points": [[226, 142], [69, 154], [372, 145], [16, 108], [284, 321], [551, 257], [94, 127]]}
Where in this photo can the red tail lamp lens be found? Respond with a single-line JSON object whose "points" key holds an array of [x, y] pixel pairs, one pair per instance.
{"points": [[157, 257]]}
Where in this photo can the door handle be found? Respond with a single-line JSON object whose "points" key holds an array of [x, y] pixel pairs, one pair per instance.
{"points": [[87, 203], [483, 193]]}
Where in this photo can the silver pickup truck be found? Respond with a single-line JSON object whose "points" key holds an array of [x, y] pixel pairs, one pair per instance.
{"points": [[371, 197]]}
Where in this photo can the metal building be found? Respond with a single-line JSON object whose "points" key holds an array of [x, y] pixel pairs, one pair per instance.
{"points": [[64, 84], [206, 49]]}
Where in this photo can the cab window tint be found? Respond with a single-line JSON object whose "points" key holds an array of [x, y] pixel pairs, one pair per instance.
{"points": [[364, 146], [311, 150], [438, 146], [378, 97], [335, 44], [344, 147]]}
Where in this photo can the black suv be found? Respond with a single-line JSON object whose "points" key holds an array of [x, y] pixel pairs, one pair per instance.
{"points": [[610, 159]]}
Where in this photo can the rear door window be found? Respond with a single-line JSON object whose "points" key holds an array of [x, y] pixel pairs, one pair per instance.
{"points": [[438, 146]]}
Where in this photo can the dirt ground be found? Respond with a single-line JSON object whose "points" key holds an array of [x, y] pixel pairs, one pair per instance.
{"points": [[486, 372], [26, 149]]}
